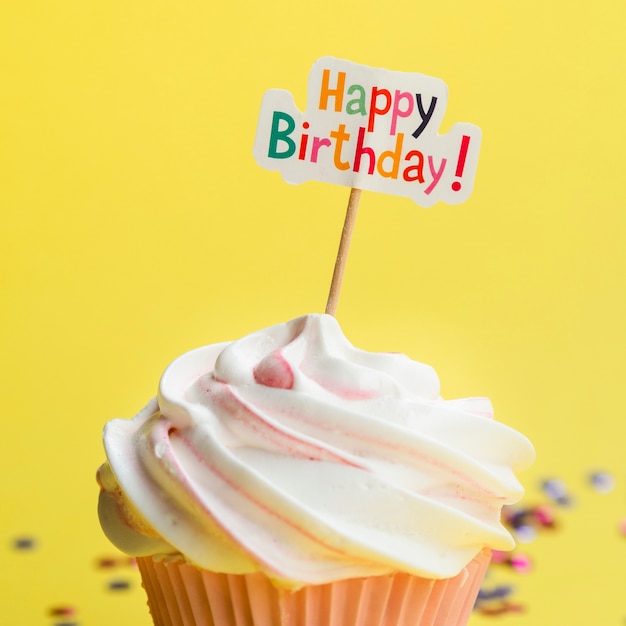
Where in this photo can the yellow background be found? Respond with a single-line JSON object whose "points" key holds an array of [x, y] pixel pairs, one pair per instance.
{"points": [[136, 225]]}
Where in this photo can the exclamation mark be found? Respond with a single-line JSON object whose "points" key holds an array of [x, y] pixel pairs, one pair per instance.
{"points": [[456, 185]]}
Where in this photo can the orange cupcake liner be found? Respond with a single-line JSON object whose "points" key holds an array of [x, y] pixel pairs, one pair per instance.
{"points": [[180, 594]]}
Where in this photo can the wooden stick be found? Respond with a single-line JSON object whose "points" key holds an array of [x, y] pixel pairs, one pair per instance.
{"points": [[342, 253]]}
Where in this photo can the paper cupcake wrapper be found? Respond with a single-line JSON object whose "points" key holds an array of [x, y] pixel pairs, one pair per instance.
{"points": [[182, 595]]}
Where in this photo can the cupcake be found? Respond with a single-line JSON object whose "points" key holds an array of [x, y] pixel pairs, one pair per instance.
{"points": [[291, 479]]}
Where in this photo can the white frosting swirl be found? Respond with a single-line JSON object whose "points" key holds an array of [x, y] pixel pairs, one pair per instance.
{"points": [[294, 453]]}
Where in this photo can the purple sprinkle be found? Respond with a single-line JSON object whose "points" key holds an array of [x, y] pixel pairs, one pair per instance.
{"points": [[602, 482], [555, 489], [564, 501], [525, 533], [518, 518], [501, 591]]}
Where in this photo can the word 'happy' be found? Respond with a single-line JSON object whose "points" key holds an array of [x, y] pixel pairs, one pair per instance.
{"points": [[371, 129]]}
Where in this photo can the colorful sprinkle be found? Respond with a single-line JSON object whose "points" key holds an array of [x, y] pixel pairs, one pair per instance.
{"points": [[525, 534], [504, 607], [119, 585], [516, 518], [556, 489], [501, 591], [544, 515], [62, 611], [521, 563], [525, 522], [108, 562], [602, 482], [24, 543]]}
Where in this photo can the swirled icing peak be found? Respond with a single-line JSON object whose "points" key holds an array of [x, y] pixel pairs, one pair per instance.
{"points": [[292, 452]]}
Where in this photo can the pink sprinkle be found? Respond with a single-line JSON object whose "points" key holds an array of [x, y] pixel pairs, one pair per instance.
{"points": [[274, 371], [544, 515], [498, 556], [521, 563], [622, 526]]}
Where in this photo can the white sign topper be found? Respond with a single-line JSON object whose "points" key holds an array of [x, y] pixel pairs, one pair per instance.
{"points": [[369, 128]]}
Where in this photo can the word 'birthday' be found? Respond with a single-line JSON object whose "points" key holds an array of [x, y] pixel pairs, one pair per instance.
{"points": [[371, 129]]}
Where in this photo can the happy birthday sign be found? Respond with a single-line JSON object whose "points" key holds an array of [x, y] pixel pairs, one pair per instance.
{"points": [[369, 128]]}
